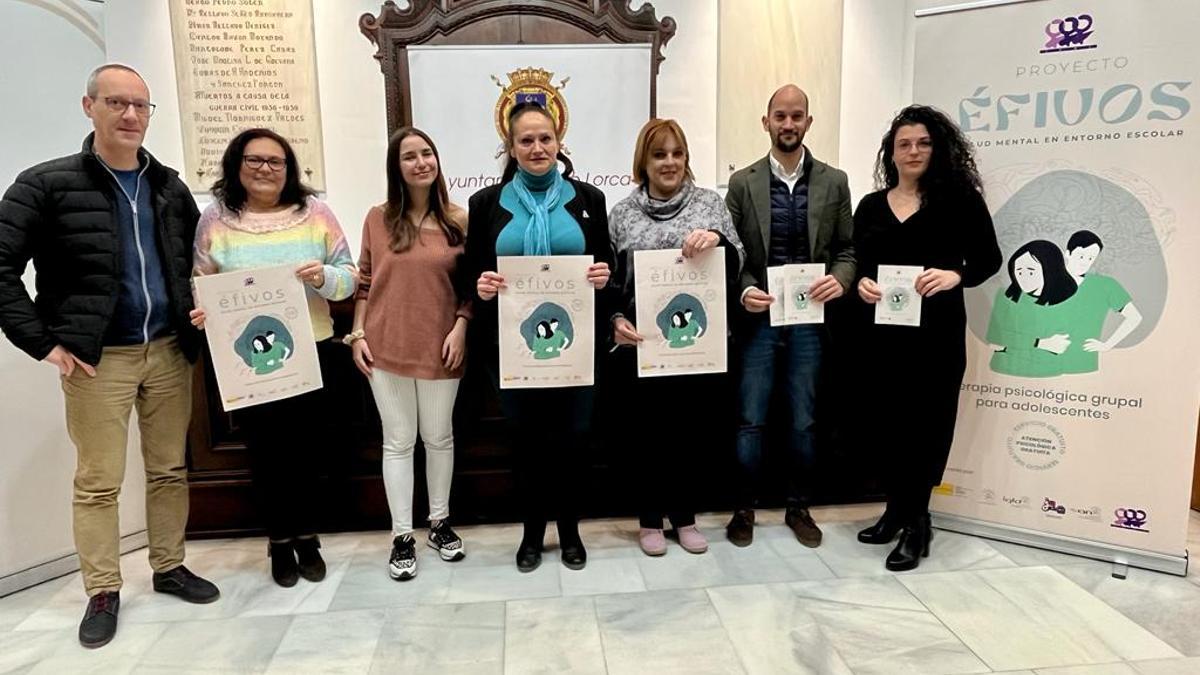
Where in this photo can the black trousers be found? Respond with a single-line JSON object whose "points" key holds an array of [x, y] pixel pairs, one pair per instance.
{"points": [[671, 429], [287, 440], [550, 442], [915, 428]]}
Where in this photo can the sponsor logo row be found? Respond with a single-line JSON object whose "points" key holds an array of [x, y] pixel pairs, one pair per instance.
{"points": [[1122, 517]]}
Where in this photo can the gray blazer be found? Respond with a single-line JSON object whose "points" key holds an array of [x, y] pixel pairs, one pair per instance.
{"points": [[830, 225]]}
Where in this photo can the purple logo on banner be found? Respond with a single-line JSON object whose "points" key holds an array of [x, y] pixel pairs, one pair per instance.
{"points": [[1068, 34], [1052, 506], [1130, 519]]}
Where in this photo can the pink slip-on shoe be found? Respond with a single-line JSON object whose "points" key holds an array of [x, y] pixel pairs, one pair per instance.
{"points": [[652, 541], [691, 540]]}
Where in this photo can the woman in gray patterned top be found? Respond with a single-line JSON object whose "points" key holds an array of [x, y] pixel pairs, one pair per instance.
{"points": [[667, 210]]}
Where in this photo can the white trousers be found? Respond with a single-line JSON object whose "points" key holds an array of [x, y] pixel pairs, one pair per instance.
{"points": [[408, 406]]}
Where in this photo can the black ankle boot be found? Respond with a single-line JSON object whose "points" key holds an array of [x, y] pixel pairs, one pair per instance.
{"points": [[309, 561], [529, 555], [574, 555], [283, 563], [883, 531], [570, 544], [914, 545]]}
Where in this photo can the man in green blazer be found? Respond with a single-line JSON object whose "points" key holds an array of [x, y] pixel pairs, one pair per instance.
{"points": [[788, 208]]}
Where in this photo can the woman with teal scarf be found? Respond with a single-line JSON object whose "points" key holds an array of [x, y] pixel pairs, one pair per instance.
{"points": [[539, 210]]}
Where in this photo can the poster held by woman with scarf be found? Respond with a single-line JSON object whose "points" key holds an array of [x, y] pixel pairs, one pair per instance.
{"points": [[547, 335]]}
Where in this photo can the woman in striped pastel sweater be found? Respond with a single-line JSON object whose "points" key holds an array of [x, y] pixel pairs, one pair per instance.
{"points": [[264, 216]]}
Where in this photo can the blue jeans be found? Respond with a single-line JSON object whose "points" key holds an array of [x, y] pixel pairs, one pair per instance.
{"points": [[793, 353]]}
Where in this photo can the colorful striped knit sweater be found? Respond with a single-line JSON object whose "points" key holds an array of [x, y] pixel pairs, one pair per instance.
{"points": [[228, 241]]}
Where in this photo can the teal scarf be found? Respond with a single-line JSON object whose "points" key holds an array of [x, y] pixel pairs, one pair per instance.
{"points": [[537, 234]]}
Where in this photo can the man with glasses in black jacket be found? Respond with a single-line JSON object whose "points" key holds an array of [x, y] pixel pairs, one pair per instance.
{"points": [[109, 230]]}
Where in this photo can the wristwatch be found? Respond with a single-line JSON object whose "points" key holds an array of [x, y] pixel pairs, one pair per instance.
{"points": [[354, 336]]}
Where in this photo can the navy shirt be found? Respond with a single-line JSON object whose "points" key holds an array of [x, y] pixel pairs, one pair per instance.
{"points": [[143, 308]]}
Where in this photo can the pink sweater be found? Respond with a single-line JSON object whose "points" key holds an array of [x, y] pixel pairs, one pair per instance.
{"points": [[411, 301]]}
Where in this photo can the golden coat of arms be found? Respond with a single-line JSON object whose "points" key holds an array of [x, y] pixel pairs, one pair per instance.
{"points": [[532, 85]]}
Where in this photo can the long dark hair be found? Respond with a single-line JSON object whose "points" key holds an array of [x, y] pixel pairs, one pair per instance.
{"points": [[1057, 283], [510, 168], [402, 230], [229, 189], [951, 167]]}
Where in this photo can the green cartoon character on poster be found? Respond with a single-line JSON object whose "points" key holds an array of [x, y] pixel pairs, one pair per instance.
{"points": [[548, 331], [1049, 320], [897, 298], [1086, 276], [1098, 295], [800, 298], [683, 321], [264, 345], [1027, 330]]}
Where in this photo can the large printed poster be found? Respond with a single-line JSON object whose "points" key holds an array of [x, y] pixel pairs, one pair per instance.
{"points": [[681, 312], [1077, 414], [259, 335], [547, 322]]}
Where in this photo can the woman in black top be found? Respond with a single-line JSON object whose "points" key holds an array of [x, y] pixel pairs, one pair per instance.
{"points": [[538, 210], [929, 213]]}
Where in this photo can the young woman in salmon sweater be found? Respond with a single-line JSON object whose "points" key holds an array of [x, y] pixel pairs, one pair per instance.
{"points": [[409, 337]]}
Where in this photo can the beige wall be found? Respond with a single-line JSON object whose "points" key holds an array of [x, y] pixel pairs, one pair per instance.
{"points": [[767, 43]]}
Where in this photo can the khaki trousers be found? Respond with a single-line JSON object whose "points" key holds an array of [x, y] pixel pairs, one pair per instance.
{"points": [[156, 379]]}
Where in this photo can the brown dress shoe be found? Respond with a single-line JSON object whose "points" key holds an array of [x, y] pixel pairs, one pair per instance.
{"points": [[803, 526], [740, 530]]}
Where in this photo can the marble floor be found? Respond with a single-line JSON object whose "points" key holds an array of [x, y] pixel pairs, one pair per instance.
{"points": [[975, 606]]}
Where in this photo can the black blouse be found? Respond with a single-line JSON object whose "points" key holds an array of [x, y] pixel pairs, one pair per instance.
{"points": [[950, 233]]}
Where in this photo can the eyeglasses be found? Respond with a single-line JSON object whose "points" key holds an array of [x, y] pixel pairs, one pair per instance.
{"points": [[256, 162], [923, 145], [143, 109]]}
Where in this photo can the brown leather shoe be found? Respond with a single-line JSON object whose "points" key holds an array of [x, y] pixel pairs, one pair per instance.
{"points": [[803, 526], [740, 530]]}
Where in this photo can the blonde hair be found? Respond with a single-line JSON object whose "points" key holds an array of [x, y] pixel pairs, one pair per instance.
{"points": [[651, 132]]}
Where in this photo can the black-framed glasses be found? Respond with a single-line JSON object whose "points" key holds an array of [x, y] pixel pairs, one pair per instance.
{"points": [[255, 162], [120, 105]]}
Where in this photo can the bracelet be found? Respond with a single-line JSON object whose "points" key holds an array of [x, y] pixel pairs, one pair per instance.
{"points": [[354, 336]]}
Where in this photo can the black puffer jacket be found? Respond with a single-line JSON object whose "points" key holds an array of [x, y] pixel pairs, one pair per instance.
{"points": [[62, 214]]}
